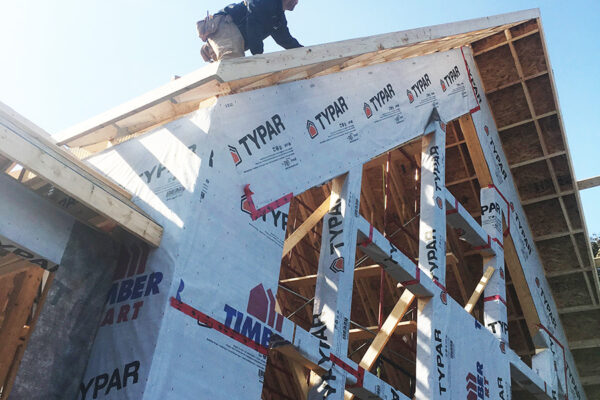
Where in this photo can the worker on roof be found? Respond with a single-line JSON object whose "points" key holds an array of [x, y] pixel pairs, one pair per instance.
{"points": [[244, 26]]}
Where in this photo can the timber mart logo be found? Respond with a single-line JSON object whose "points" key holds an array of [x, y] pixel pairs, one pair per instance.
{"points": [[443, 85], [367, 110], [337, 265], [235, 155], [478, 387], [312, 129], [411, 96], [261, 305]]}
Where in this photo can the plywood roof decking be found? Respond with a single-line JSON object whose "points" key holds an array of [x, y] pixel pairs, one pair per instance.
{"points": [[512, 60]]}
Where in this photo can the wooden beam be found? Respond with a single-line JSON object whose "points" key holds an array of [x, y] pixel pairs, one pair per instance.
{"points": [[510, 253], [359, 273], [588, 183], [12, 374], [403, 328], [479, 289], [306, 226], [590, 380], [19, 305], [584, 344], [15, 267], [387, 330], [49, 164]]}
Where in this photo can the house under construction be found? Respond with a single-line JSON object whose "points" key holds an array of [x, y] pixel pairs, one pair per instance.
{"points": [[392, 217]]}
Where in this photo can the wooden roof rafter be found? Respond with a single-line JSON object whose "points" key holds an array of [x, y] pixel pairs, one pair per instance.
{"points": [[29, 147]]}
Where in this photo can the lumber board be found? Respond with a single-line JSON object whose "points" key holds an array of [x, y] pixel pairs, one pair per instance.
{"points": [[387, 330], [17, 313], [305, 227], [403, 328], [510, 253], [12, 373], [35, 157], [37, 133], [479, 289], [588, 183]]}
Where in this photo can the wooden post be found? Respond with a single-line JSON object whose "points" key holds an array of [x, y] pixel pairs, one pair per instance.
{"points": [[479, 289], [495, 315], [306, 226], [335, 277], [26, 285], [432, 226]]}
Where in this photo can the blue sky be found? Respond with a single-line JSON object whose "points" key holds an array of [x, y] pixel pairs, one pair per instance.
{"points": [[64, 61]]}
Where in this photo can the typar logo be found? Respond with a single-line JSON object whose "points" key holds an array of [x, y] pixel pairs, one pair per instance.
{"points": [[444, 297], [312, 129], [245, 206], [337, 265], [443, 85], [237, 160], [367, 110], [439, 202], [411, 96]]}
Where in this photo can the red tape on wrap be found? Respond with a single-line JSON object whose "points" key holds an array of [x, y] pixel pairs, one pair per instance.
{"points": [[255, 214], [359, 374], [211, 323]]}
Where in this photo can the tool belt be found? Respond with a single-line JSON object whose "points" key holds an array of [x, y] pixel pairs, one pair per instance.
{"points": [[210, 25]]}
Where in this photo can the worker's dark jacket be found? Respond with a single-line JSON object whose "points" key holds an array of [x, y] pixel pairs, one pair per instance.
{"points": [[259, 19]]}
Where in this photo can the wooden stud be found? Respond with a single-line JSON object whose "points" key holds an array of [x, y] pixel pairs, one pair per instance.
{"points": [[510, 253], [479, 289], [17, 313], [387, 330], [306, 226], [403, 328], [12, 374]]}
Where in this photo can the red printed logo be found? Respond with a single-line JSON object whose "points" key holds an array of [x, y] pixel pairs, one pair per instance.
{"points": [[312, 129], [235, 155], [368, 111], [261, 304], [444, 297], [245, 205], [486, 129], [439, 202], [337, 265], [443, 85], [410, 95]]}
